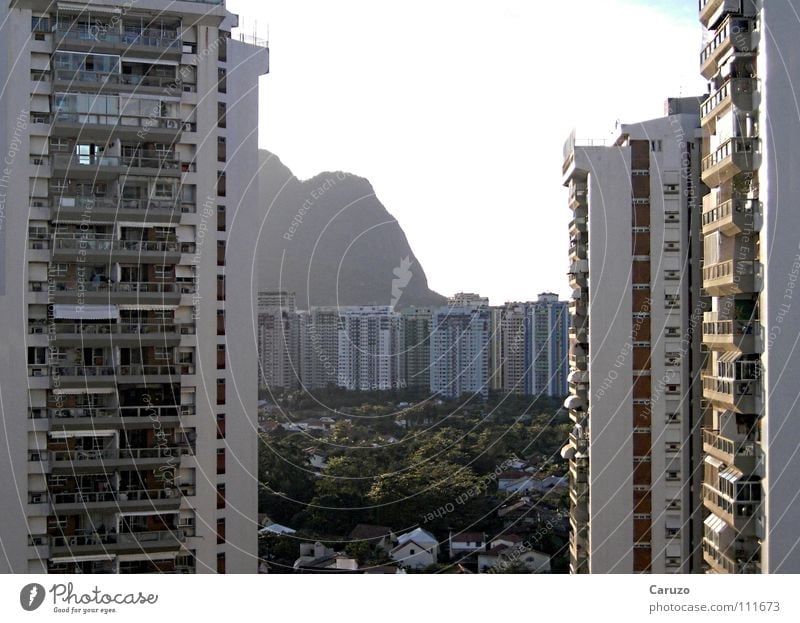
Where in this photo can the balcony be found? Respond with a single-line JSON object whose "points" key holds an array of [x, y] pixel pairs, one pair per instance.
{"points": [[741, 395], [145, 500], [105, 248], [734, 34], [147, 41], [86, 334], [739, 514], [733, 277], [105, 375], [90, 126], [578, 225], [89, 461], [731, 217], [127, 293], [578, 249], [728, 335], [101, 210], [131, 418], [737, 92], [722, 563], [579, 307], [123, 542], [99, 167], [741, 454], [734, 156]]}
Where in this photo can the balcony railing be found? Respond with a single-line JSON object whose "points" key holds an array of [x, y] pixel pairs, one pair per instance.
{"points": [[90, 204], [739, 152], [739, 453], [126, 370], [148, 411], [112, 540], [118, 122], [118, 497], [121, 328], [145, 37], [736, 32], [740, 334], [142, 287], [117, 454], [732, 216], [732, 277], [100, 244], [722, 562], [739, 91]]}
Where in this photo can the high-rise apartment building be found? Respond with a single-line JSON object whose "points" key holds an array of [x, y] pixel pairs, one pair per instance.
{"points": [[468, 299], [535, 347], [751, 265], [634, 348], [319, 347], [370, 345], [120, 290], [278, 340], [548, 346], [416, 352], [460, 351]]}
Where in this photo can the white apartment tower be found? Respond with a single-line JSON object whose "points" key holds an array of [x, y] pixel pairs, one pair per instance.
{"points": [[130, 433], [370, 346], [633, 346], [278, 340], [751, 264], [460, 351]]}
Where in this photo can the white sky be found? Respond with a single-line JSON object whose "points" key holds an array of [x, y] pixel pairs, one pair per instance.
{"points": [[457, 111]]}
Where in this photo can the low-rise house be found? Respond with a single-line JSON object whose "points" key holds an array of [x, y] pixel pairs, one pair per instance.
{"points": [[416, 549], [381, 537], [384, 569], [466, 543], [317, 558], [316, 459], [276, 528], [502, 557], [512, 481]]}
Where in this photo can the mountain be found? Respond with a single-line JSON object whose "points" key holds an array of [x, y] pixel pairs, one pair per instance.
{"points": [[330, 240]]}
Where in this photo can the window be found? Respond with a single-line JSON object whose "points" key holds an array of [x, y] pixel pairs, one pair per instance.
{"points": [[220, 391], [37, 355], [220, 218], [220, 253], [222, 151], [220, 322], [220, 531], [162, 271], [656, 145], [58, 270], [162, 352], [221, 495], [220, 356], [673, 476], [220, 460], [60, 144], [163, 190], [220, 426], [221, 184], [673, 418], [411, 552], [221, 562], [220, 287], [221, 115]]}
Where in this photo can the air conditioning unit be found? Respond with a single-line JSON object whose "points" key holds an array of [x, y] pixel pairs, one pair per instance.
{"points": [[172, 124]]}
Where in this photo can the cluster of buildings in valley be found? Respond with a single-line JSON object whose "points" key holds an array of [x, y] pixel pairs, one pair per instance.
{"points": [[465, 347], [684, 256]]}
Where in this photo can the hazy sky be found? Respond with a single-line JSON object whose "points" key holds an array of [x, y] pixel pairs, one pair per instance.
{"points": [[457, 111]]}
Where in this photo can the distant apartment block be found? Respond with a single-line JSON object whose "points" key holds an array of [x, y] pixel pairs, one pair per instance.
{"points": [[416, 350], [370, 345], [535, 347], [319, 347], [460, 351], [278, 340], [131, 449], [635, 324]]}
